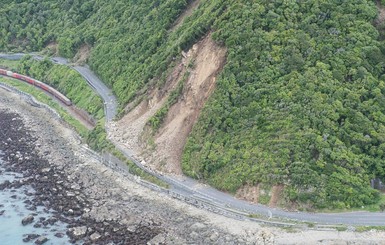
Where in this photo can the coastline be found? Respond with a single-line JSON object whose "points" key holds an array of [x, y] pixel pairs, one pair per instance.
{"points": [[100, 205], [41, 155]]}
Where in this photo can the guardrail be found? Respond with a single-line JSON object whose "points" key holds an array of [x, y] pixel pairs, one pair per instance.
{"points": [[118, 166], [30, 99]]}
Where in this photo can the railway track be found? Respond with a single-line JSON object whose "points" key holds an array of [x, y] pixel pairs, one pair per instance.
{"points": [[190, 191]]}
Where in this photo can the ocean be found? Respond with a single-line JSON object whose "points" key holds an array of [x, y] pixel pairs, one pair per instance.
{"points": [[12, 205]]}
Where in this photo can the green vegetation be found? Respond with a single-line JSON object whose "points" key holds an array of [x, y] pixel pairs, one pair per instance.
{"points": [[46, 99], [375, 207], [131, 42], [67, 81], [370, 228], [156, 121], [300, 102], [10, 64]]}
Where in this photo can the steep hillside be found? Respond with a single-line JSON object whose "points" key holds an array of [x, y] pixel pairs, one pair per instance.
{"points": [[132, 36], [206, 60], [299, 104], [157, 128], [297, 116]]}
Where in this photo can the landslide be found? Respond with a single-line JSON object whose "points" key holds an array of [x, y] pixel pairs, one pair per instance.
{"points": [[298, 108], [158, 126], [206, 60], [297, 113]]}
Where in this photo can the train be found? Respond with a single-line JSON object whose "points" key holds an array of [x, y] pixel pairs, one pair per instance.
{"points": [[38, 84]]}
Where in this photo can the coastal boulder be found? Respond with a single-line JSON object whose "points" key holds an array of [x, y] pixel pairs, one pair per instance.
{"points": [[41, 240], [77, 232], [30, 237], [27, 220], [95, 236]]}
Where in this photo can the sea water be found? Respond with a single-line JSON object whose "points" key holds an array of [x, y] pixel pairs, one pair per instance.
{"points": [[12, 231]]}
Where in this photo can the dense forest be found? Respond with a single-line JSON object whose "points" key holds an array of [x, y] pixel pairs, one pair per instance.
{"points": [[67, 81], [300, 102]]}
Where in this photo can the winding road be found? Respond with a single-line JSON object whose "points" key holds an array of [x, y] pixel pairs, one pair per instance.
{"points": [[191, 189]]}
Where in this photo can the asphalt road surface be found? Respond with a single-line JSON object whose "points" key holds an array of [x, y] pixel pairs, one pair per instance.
{"points": [[110, 102], [192, 189]]}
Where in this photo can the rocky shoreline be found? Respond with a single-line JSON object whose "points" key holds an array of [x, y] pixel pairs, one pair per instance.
{"points": [[98, 205], [53, 191]]}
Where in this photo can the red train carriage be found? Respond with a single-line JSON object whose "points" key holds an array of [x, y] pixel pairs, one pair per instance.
{"points": [[42, 86], [30, 80], [18, 76], [39, 84]]}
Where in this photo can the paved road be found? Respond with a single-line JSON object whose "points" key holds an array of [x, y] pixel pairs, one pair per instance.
{"points": [[108, 97], [190, 188], [110, 102]]}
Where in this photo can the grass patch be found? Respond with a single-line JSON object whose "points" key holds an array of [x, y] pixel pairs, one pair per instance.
{"points": [[369, 228], [44, 98], [257, 216], [11, 64], [310, 224], [290, 229], [264, 199], [341, 228]]}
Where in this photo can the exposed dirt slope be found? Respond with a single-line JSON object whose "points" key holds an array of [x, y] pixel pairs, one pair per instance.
{"points": [[129, 130], [52, 48], [82, 55], [255, 193], [275, 195], [190, 9], [249, 193], [203, 62], [208, 59]]}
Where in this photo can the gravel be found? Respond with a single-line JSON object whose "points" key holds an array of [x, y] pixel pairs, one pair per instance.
{"points": [[98, 204], [103, 206]]}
